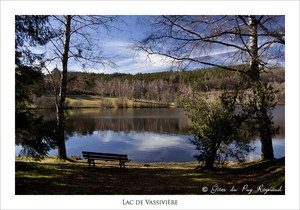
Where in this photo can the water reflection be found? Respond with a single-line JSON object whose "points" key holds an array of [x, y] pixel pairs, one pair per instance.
{"points": [[148, 147], [146, 135], [278, 146], [164, 120], [141, 147]]}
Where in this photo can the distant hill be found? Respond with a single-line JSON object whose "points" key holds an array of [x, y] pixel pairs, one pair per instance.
{"points": [[160, 86]]}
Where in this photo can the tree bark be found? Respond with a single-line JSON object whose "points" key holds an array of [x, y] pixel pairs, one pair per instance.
{"points": [[253, 49], [210, 159], [209, 163], [261, 104], [60, 107], [265, 135]]}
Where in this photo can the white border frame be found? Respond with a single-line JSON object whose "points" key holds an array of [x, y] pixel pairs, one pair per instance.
{"points": [[288, 8]]}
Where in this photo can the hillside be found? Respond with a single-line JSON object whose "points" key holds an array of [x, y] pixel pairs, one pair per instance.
{"points": [[161, 87]]}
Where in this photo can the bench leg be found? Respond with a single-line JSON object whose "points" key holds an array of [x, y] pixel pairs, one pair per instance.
{"points": [[90, 161], [122, 164]]}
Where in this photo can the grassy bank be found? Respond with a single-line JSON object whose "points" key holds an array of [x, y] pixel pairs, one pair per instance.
{"points": [[90, 101], [53, 176]]}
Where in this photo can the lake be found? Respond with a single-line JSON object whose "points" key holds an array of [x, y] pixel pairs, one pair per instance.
{"points": [[146, 135]]}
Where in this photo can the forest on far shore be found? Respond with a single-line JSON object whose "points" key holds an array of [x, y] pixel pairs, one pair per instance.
{"points": [[162, 87]]}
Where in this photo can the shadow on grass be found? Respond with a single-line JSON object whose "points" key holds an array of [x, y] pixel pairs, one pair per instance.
{"points": [[37, 178]]}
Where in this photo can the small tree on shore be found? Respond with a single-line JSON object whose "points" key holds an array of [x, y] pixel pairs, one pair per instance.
{"points": [[216, 124]]}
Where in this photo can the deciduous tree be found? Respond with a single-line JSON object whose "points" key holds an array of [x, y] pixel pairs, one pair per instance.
{"points": [[74, 42], [224, 41]]}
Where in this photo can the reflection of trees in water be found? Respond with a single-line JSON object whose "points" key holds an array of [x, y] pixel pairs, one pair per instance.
{"points": [[281, 131], [86, 121], [86, 126], [36, 136]]}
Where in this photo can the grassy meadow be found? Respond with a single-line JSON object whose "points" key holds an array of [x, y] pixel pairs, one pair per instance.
{"points": [[91, 101], [53, 176]]}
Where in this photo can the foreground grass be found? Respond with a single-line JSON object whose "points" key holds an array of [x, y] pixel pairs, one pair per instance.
{"points": [[52, 176]]}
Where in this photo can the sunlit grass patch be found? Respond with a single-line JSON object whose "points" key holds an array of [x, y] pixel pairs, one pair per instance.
{"points": [[53, 176], [80, 101], [93, 101]]}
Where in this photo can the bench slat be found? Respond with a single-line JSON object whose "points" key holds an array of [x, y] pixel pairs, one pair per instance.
{"points": [[100, 153], [105, 157]]}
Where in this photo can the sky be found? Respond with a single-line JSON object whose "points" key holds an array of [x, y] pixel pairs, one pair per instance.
{"points": [[117, 47]]}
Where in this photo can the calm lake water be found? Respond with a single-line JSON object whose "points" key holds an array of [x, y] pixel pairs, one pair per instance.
{"points": [[146, 135]]}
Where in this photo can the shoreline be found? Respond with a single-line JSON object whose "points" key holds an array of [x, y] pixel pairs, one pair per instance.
{"points": [[95, 107], [93, 101], [80, 160]]}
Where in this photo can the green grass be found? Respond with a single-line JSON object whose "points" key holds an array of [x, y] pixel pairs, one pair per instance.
{"points": [[87, 101], [90, 101], [53, 176]]}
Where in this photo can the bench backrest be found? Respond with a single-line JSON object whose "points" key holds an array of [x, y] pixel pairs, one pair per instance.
{"points": [[106, 156]]}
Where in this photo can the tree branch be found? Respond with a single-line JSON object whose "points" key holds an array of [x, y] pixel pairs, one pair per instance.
{"points": [[193, 60]]}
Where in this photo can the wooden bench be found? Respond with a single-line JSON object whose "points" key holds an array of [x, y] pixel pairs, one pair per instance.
{"points": [[92, 156]]}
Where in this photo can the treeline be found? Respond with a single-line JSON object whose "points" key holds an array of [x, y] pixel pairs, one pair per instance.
{"points": [[161, 86]]}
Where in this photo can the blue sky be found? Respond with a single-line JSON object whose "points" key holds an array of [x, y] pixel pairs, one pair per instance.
{"points": [[117, 47], [119, 43]]}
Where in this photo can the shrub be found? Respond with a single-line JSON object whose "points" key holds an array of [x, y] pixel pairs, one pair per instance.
{"points": [[105, 103], [77, 104], [216, 124]]}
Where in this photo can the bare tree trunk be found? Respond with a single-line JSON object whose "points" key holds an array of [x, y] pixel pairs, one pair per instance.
{"points": [[261, 104], [253, 49], [60, 107], [209, 162], [210, 159], [265, 134]]}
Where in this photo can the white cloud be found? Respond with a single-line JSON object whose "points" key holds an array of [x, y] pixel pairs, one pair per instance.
{"points": [[146, 141], [152, 141], [107, 136], [130, 61], [141, 63], [94, 70], [115, 44], [221, 51]]}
